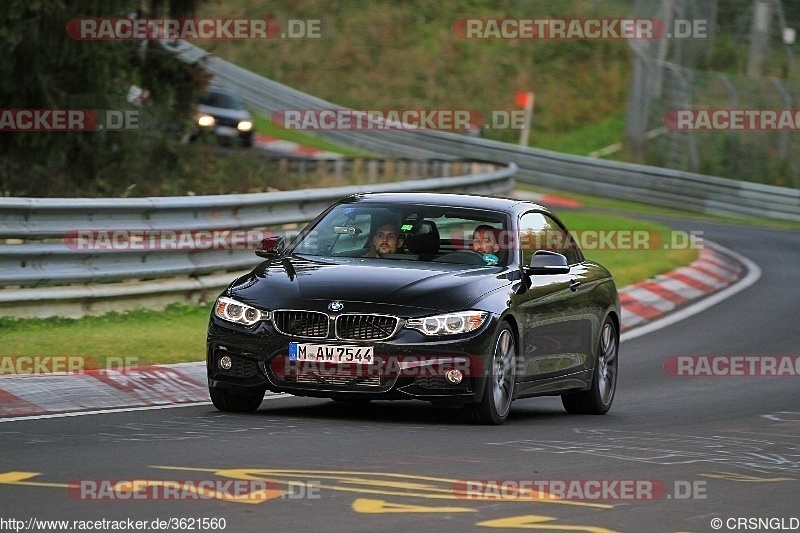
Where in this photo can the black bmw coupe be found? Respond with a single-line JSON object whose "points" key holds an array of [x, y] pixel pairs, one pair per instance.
{"points": [[465, 301]]}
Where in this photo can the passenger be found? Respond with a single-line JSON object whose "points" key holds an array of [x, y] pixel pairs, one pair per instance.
{"points": [[484, 242], [387, 240]]}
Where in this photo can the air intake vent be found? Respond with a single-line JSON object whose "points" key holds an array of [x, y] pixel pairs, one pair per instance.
{"points": [[365, 327], [301, 323]]}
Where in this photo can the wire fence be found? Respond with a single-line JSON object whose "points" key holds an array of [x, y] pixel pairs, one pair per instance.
{"points": [[751, 37]]}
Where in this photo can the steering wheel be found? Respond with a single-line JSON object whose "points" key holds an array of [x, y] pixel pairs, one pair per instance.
{"points": [[468, 257]]}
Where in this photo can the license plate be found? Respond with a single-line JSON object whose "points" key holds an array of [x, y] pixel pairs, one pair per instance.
{"points": [[226, 131], [331, 353]]}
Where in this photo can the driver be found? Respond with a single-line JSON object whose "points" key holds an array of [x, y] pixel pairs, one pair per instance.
{"points": [[387, 240]]}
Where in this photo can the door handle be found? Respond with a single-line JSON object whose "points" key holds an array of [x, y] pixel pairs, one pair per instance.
{"points": [[574, 284]]}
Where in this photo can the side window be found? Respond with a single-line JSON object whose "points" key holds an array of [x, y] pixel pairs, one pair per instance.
{"points": [[533, 229], [561, 241], [538, 231]]}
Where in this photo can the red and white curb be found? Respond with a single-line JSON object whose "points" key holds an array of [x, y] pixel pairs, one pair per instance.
{"points": [[547, 200], [37, 394], [272, 144], [715, 275], [654, 298]]}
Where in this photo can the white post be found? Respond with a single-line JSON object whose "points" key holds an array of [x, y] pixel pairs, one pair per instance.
{"points": [[523, 136]]}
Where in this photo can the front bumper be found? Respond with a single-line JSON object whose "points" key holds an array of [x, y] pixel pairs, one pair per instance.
{"points": [[407, 366]]}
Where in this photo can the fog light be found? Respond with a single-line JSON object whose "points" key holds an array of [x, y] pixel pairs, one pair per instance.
{"points": [[454, 376], [225, 362]]}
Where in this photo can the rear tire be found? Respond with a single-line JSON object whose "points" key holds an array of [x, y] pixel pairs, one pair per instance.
{"points": [[499, 384], [225, 400], [598, 399]]}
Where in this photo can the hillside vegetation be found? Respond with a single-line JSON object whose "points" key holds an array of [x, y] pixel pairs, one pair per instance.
{"points": [[404, 55]]}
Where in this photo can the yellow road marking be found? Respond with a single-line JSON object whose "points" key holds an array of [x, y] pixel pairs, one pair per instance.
{"points": [[365, 505], [134, 485], [18, 478]]}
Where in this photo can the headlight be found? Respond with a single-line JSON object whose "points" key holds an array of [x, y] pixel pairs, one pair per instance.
{"points": [[205, 121], [245, 125], [449, 324], [233, 311]]}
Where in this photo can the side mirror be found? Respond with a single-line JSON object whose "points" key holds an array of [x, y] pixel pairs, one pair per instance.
{"points": [[546, 262], [271, 247]]}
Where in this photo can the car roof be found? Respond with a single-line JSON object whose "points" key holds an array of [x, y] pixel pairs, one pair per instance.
{"points": [[491, 203]]}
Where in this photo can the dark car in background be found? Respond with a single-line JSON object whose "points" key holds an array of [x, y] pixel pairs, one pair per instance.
{"points": [[434, 320], [221, 113]]}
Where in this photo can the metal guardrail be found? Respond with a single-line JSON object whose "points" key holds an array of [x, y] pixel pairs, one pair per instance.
{"points": [[43, 234], [658, 186]]}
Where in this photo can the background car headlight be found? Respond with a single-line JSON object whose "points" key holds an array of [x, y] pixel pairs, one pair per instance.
{"points": [[245, 125], [233, 311], [449, 324], [205, 121]]}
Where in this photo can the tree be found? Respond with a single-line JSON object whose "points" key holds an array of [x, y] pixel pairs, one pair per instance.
{"points": [[41, 67]]}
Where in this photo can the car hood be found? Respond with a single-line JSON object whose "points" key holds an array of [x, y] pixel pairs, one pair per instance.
{"points": [[401, 287]]}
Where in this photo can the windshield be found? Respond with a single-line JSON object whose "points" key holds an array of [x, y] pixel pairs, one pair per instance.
{"points": [[407, 233], [221, 99]]}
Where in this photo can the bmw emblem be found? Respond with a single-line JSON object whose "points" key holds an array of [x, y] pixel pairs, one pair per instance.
{"points": [[336, 306]]}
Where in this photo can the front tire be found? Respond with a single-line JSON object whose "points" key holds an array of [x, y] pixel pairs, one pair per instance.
{"points": [[499, 384], [225, 400], [598, 399]]}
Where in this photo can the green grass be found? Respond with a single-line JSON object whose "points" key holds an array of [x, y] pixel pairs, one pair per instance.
{"points": [[265, 126], [405, 55], [178, 333], [585, 139], [174, 335], [628, 266]]}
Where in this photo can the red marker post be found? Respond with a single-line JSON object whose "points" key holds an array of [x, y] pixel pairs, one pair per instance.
{"points": [[525, 101]]}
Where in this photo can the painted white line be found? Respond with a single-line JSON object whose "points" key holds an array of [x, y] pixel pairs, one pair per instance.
{"points": [[123, 410], [753, 275]]}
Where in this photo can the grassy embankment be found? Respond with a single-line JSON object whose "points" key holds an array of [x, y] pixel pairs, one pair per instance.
{"points": [[389, 55]]}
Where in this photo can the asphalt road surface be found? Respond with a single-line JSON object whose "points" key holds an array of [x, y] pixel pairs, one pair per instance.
{"points": [[674, 453]]}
